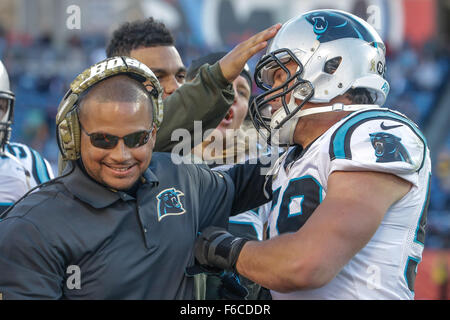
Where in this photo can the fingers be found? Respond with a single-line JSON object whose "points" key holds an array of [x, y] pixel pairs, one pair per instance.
{"points": [[245, 50], [260, 39], [255, 49], [233, 63]]}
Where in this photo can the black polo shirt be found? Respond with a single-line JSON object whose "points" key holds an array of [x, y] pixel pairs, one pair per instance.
{"points": [[124, 247]]}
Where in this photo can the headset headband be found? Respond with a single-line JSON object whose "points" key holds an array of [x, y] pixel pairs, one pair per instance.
{"points": [[106, 69]]}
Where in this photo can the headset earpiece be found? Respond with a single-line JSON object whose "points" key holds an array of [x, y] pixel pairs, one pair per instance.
{"points": [[66, 128], [69, 136]]}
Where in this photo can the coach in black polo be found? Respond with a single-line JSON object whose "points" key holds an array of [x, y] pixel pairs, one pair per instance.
{"points": [[115, 225]]}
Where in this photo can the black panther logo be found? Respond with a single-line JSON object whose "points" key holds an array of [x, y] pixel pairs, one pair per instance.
{"points": [[388, 148], [169, 203], [337, 25]]}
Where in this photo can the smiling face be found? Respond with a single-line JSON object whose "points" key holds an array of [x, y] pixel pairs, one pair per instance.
{"points": [[120, 167]]}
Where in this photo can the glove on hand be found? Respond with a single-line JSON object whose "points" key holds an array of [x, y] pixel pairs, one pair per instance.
{"points": [[216, 247]]}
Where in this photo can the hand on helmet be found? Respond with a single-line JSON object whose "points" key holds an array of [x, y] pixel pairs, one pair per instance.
{"points": [[233, 63]]}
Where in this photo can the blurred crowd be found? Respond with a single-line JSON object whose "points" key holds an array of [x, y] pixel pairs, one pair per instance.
{"points": [[41, 70], [418, 78]]}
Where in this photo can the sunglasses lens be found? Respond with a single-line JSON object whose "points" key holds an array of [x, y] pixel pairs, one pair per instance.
{"points": [[104, 141], [136, 139], [108, 141]]}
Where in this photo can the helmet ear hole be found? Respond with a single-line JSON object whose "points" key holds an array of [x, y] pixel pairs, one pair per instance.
{"points": [[331, 65]]}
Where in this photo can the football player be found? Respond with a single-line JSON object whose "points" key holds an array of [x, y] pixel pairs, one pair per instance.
{"points": [[350, 198], [21, 167]]}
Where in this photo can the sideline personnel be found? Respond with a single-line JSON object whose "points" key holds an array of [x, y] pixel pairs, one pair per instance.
{"points": [[113, 226]]}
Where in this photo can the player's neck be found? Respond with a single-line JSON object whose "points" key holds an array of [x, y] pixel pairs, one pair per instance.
{"points": [[312, 126], [309, 128]]}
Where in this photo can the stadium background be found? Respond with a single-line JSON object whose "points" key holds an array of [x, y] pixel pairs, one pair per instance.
{"points": [[46, 43]]}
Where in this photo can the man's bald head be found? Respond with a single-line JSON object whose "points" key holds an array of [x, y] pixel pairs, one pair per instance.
{"points": [[119, 88]]}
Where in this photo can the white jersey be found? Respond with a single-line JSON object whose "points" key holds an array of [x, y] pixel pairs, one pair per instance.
{"points": [[21, 168], [369, 140]]}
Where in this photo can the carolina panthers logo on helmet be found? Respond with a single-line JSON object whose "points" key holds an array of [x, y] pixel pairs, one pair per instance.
{"points": [[337, 25], [169, 203], [388, 148]]}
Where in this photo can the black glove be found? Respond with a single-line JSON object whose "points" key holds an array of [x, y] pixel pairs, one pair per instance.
{"points": [[216, 247]]}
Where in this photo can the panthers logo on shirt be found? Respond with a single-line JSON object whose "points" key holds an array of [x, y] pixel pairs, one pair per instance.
{"points": [[169, 203], [388, 147]]}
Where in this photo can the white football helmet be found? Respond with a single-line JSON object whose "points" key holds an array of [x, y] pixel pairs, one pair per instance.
{"points": [[335, 51], [6, 108]]}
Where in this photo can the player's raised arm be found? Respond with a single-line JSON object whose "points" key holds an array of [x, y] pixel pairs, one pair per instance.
{"points": [[207, 98], [233, 63]]}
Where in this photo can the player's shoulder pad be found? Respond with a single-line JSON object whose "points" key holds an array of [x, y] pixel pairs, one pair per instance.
{"points": [[21, 150], [379, 136], [18, 149], [33, 161]]}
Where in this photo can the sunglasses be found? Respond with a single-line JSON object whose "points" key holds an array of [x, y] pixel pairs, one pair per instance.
{"points": [[109, 141]]}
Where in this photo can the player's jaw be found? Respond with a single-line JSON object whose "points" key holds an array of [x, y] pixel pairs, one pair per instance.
{"points": [[277, 103]]}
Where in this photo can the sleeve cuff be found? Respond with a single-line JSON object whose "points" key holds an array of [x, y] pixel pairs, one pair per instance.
{"points": [[217, 75]]}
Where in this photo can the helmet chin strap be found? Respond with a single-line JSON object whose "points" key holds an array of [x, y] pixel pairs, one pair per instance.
{"points": [[285, 134]]}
